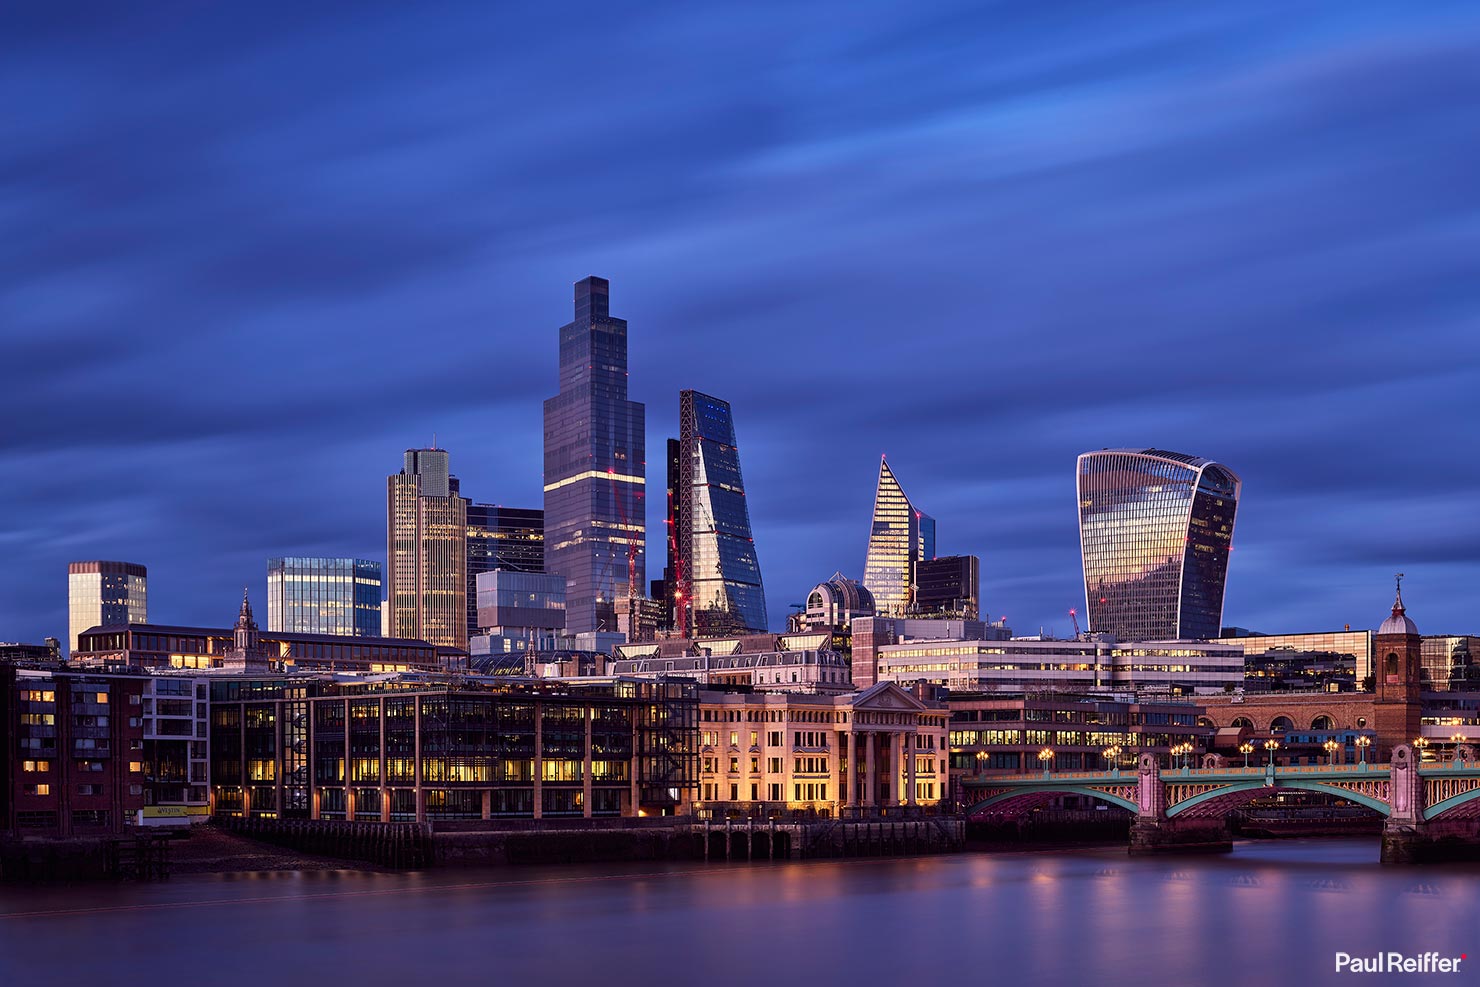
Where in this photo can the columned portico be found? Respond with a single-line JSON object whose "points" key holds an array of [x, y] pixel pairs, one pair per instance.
{"points": [[871, 780]]}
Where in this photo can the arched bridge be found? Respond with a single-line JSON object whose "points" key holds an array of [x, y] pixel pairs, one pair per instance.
{"points": [[1185, 808]]}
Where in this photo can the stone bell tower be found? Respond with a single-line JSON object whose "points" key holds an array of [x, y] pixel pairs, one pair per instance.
{"points": [[246, 651], [1396, 659]]}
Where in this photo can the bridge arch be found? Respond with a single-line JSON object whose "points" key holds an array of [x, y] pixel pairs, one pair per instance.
{"points": [[1465, 804], [1226, 798], [1025, 800]]}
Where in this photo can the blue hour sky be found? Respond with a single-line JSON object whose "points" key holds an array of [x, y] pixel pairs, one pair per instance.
{"points": [[252, 254]]}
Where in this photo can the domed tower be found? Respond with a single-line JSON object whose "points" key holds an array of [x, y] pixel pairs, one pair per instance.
{"points": [[1396, 658]]}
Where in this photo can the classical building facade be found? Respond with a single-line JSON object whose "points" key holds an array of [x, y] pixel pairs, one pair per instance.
{"points": [[833, 755]]}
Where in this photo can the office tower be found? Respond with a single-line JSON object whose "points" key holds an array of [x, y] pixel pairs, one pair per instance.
{"points": [[902, 535], [426, 551], [101, 593], [508, 538], [949, 587], [323, 596], [1155, 529], [595, 467], [664, 591], [719, 577]]}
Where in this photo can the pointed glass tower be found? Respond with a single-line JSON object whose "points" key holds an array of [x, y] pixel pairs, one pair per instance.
{"points": [[901, 536], [720, 577]]}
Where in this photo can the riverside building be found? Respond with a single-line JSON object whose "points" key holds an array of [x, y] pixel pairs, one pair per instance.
{"points": [[841, 755], [422, 749], [761, 662]]}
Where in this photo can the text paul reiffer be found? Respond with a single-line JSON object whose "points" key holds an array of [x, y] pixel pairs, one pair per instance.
{"points": [[1398, 963]]}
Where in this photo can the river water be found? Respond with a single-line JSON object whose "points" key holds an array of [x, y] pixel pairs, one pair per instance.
{"points": [[1269, 913]]}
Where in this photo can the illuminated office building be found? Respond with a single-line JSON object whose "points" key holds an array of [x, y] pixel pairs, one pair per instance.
{"points": [[507, 538], [595, 467], [1155, 530], [901, 537], [323, 596], [105, 593], [719, 575], [426, 552]]}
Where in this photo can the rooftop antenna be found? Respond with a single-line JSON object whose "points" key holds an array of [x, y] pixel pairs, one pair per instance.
{"points": [[434, 440]]}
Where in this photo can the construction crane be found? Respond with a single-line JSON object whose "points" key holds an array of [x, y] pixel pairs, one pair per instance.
{"points": [[1074, 616]]}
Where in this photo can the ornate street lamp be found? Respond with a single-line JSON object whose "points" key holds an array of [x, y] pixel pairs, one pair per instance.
{"points": [[1246, 749], [1044, 756], [1331, 747], [1111, 755], [1271, 745], [1363, 743]]}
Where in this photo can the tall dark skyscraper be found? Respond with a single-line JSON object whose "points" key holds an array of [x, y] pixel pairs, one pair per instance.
{"points": [[508, 538], [949, 587], [595, 467], [719, 577], [426, 551], [664, 590], [900, 537], [1155, 529]]}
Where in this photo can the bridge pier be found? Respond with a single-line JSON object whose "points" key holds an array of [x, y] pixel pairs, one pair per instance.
{"points": [[1152, 836]]}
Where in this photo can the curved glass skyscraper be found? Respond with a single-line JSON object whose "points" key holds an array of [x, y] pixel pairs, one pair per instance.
{"points": [[718, 573], [901, 536], [1155, 528]]}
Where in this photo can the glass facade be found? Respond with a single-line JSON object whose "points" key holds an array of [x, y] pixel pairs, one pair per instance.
{"points": [[902, 535], [949, 587], [100, 593], [1358, 644], [426, 552], [595, 467], [1155, 530], [323, 596], [721, 577], [508, 538]]}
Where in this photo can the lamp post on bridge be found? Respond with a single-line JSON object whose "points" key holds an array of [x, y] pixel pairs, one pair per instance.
{"points": [[1458, 739], [1363, 743], [1044, 756], [1246, 749], [1331, 747], [1420, 744], [1111, 755], [1271, 745]]}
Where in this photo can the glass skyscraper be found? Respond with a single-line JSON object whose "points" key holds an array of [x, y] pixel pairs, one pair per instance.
{"points": [[101, 593], [595, 467], [719, 577], [323, 596], [508, 538], [1155, 529], [901, 537], [426, 551]]}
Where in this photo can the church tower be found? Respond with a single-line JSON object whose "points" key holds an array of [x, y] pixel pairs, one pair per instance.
{"points": [[1396, 657], [246, 642]]}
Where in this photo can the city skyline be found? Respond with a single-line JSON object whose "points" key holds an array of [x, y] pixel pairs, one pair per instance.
{"points": [[1276, 244]]}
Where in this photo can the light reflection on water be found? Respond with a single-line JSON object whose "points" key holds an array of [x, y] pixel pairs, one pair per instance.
{"points": [[1270, 913]]}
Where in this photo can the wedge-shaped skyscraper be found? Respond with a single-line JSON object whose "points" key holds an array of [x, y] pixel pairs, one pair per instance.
{"points": [[719, 577], [1155, 529], [901, 537]]}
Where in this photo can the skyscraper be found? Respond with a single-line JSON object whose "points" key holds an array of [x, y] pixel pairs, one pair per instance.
{"points": [[595, 467], [323, 596], [902, 535], [1155, 529], [948, 587], [719, 577], [105, 593], [508, 538], [426, 551]]}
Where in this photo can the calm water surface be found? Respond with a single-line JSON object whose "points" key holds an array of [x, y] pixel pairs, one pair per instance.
{"points": [[1270, 913]]}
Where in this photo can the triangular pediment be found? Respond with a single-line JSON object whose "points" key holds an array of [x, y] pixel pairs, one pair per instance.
{"points": [[887, 696]]}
